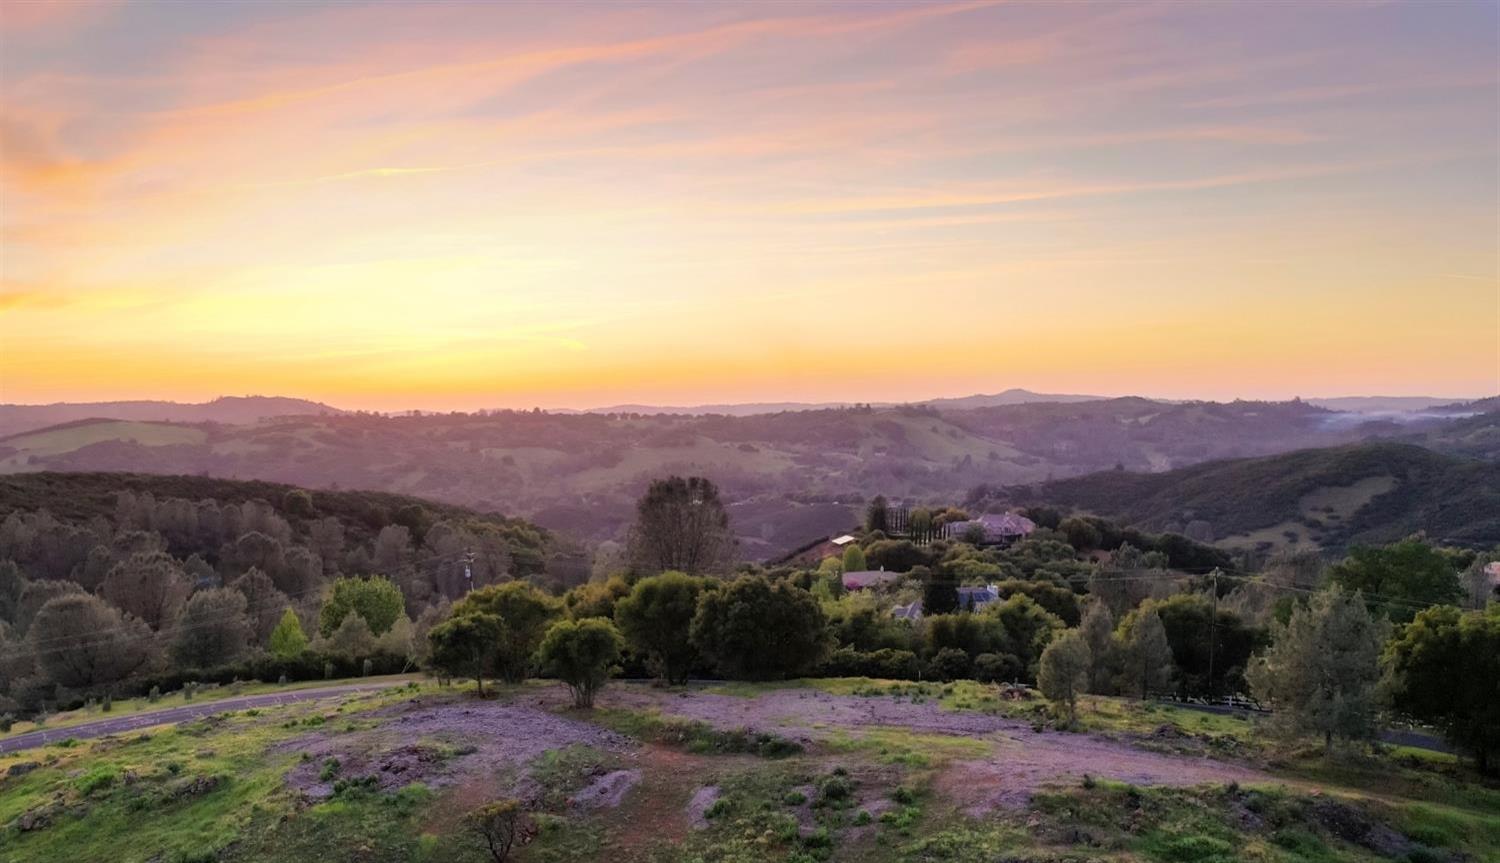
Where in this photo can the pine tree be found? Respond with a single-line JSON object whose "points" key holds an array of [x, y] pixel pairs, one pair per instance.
{"points": [[1098, 629], [1148, 662], [1322, 668]]}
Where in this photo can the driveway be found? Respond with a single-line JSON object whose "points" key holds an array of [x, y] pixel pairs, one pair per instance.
{"points": [[171, 715]]}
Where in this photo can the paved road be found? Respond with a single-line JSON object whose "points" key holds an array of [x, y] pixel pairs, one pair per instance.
{"points": [[166, 716]]}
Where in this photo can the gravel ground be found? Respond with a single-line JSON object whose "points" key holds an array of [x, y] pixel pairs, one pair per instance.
{"points": [[1023, 760], [443, 743]]}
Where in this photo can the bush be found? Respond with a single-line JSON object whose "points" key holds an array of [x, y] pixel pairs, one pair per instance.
{"points": [[950, 663], [154, 695], [581, 653], [886, 664], [6, 723], [501, 826]]}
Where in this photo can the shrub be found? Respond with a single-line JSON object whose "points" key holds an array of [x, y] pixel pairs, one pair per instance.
{"points": [[502, 825], [154, 695]]}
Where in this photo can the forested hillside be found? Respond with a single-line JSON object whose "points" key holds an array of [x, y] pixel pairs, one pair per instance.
{"points": [[1330, 498], [790, 477]]}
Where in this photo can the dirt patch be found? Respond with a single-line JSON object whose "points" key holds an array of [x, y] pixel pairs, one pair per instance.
{"points": [[1353, 825], [1027, 761], [702, 799], [483, 745], [607, 791], [806, 713]]}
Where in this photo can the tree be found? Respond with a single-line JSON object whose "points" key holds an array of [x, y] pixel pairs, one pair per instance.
{"points": [[378, 600], [1127, 579], [854, 558], [580, 653], [262, 601], [596, 598], [939, 596], [353, 638], [35, 594], [759, 630], [1064, 671], [877, 515], [1027, 628], [212, 629], [655, 619], [1192, 627], [12, 583], [466, 645], [148, 585], [1098, 629], [1145, 654], [1055, 598], [526, 612], [681, 525], [1399, 579], [1322, 667], [288, 641], [1444, 668], [82, 642]]}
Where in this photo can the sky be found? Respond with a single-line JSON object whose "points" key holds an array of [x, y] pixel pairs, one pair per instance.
{"points": [[459, 206]]}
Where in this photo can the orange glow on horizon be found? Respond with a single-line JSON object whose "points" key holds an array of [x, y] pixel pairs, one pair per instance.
{"points": [[462, 206]]}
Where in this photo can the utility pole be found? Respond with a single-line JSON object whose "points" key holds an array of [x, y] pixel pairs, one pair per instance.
{"points": [[1213, 630], [468, 560]]}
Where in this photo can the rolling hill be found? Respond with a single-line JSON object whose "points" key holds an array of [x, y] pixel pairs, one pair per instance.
{"points": [[1328, 498], [235, 410], [791, 476]]}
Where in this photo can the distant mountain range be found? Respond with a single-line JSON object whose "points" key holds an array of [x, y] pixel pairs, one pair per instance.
{"points": [[1009, 397], [231, 410]]}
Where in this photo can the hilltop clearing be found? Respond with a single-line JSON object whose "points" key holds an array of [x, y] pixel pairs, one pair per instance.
{"points": [[841, 770]]}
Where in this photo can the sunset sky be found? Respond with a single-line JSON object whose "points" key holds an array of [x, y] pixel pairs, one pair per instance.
{"points": [[557, 204]]}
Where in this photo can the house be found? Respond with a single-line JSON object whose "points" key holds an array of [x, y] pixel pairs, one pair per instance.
{"points": [[975, 598], [969, 599], [1493, 571], [998, 528], [861, 579], [910, 611]]}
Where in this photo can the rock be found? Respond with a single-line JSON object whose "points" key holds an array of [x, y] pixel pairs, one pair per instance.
{"points": [[703, 799], [21, 768], [607, 791]]}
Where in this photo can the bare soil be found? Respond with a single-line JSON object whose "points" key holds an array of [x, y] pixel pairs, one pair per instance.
{"points": [[442, 743]]}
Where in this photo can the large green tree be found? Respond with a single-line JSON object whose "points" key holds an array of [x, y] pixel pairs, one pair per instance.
{"points": [[580, 653], [148, 585], [376, 599], [1322, 667], [1444, 668], [212, 629], [466, 645], [656, 617], [526, 612], [1400, 579], [760, 630], [82, 642]]}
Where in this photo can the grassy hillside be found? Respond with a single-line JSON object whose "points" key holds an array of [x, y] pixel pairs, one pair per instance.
{"points": [[228, 409], [1332, 497]]}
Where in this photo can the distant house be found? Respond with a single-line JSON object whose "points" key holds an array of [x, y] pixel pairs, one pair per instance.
{"points": [[975, 598], [1493, 571], [999, 528], [862, 579], [969, 599], [910, 611]]}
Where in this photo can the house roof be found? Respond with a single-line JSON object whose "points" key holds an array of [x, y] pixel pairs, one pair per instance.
{"points": [[861, 579], [996, 525]]}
